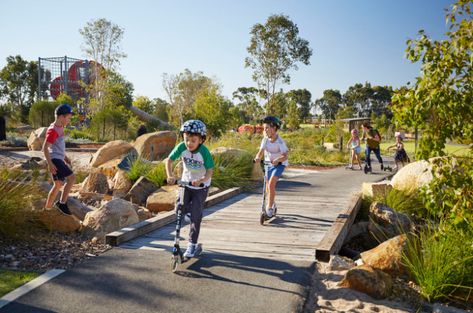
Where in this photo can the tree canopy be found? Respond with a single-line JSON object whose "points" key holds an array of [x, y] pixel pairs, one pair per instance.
{"points": [[274, 49], [439, 104]]}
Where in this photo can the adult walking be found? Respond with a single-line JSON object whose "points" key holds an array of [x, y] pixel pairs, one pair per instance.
{"points": [[373, 139]]}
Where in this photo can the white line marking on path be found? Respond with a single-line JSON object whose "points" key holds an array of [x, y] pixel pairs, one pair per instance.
{"points": [[35, 283]]}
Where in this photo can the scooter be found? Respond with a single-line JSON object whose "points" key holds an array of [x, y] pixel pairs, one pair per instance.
{"points": [[263, 215], [177, 255]]}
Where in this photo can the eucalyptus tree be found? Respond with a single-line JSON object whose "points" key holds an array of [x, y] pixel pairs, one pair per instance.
{"points": [[102, 41], [19, 84], [275, 48], [439, 103], [330, 103], [302, 98]]}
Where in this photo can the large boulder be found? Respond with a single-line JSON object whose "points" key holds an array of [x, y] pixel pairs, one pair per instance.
{"points": [[413, 176], [57, 221], [371, 281], [386, 223], [36, 139], [155, 146], [164, 199], [110, 217], [387, 256], [111, 150], [96, 182], [140, 191], [121, 184]]}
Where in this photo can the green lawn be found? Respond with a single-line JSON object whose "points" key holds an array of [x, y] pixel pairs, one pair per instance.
{"points": [[409, 145], [10, 280]]}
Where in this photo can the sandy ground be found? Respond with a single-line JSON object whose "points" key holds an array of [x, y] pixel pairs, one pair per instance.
{"points": [[327, 296]]}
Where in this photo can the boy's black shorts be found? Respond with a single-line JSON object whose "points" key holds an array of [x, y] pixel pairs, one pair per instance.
{"points": [[62, 170]]}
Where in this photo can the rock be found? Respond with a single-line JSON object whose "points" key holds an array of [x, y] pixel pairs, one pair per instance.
{"points": [[109, 151], [95, 183], [155, 146], [443, 308], [229, 151], [140, 191], [386, 223], [89, 197], [111, 216], [357, 229], [121, 184], [164, 199], [36, 139], [340, 263], [31, 164], [413, 176], [213, 190], [377, 190], [144, 214], [369, 280], [57, 221], [78, 208], [387, 256]]}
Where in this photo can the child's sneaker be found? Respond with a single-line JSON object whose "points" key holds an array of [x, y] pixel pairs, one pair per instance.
{"points": [[63, 208], [270, 211], [382, 166], [187, 217], [193, 249]]}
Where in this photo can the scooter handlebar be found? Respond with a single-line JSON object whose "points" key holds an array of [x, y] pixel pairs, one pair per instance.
{"points": [[181, 183]]}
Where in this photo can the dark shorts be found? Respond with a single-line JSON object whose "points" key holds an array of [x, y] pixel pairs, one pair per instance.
{"points": [[62, 170]]}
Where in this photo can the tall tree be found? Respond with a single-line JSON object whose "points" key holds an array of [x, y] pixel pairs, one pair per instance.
{"points": [[440, 102], [102, 41], [161, 109], [249, 104], [19, 83], [182, 90], [302, 97], [213, 109], [274, 49], [330, 103], [293, 119], [145, 104]]}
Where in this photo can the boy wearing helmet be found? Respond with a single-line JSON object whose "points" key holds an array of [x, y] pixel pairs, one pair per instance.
{"points": [[197, 171], [275, 151], [54, 149], [354, 143]]}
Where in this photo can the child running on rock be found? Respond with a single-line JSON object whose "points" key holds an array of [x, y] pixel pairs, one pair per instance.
{"points": [[54, 149]]}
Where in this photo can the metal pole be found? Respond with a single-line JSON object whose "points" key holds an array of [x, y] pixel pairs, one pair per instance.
{"points": [[39, 79], [65, 75]]}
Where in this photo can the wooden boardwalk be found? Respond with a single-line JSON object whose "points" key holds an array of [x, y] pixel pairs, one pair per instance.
{"points": [[308, 203]]}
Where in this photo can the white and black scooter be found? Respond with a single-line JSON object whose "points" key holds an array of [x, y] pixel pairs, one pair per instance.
{"points": [[177, 255]]}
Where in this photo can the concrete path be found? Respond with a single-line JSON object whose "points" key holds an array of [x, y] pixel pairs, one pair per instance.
{"points": [[245, 267]]}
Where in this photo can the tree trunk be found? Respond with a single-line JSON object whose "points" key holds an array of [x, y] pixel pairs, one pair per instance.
{"points": [[142, 115]]}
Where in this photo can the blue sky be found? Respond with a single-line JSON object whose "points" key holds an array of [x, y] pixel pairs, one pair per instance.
{"points": [[353, 41]]}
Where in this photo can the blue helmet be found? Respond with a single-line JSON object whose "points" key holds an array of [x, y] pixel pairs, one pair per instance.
{"points": [[63, 109], [194, 127], [272, 120]]}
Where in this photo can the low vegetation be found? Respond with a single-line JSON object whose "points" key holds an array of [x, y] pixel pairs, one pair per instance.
{"points": [[10, 280]]}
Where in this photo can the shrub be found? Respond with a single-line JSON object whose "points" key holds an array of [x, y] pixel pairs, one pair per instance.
{"points": [[406, 202], [157, 174], [440, 260], [15, 207], [139, 167], [231, 171], [450, 193], [42, 113]]}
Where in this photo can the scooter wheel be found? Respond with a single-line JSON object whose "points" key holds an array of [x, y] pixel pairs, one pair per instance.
{"points": [[365, 169], [175, 260], [261, 219]]}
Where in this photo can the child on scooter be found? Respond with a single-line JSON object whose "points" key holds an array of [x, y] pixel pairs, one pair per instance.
{"points": [[354, 143], [275, 151], [400, 157], [197, 172]]}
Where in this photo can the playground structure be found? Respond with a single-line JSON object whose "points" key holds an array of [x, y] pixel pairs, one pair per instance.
{"points": [[68, 75]]}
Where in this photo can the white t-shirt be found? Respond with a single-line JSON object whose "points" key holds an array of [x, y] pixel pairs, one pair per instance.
{"points": [[273, 150]]}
